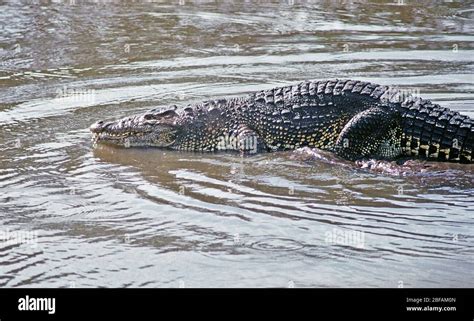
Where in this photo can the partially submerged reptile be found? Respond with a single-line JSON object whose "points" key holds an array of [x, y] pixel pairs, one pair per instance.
{"points": [[353, 119]]}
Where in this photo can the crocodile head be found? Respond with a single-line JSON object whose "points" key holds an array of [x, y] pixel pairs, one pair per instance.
{"points": [[154, 128]]}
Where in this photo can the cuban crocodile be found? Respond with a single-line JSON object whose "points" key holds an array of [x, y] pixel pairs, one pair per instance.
{"points": [[353, 119]]}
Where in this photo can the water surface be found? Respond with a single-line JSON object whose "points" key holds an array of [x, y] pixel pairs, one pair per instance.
{"points": [[75, 216]]}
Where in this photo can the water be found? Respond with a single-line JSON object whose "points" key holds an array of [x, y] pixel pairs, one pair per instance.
{"points": [[74, 216]]}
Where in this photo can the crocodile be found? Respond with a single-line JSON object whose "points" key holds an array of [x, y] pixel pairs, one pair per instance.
{"points": [[353, 119]]}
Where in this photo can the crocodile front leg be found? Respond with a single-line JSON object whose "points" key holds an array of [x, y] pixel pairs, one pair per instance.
{"points": [[375, 132]]}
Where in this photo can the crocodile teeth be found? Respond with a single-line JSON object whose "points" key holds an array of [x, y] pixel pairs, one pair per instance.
{"points": [[120, 135]]}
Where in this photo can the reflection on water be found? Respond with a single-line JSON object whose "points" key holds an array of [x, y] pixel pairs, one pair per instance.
{"points": [[72, 215]]}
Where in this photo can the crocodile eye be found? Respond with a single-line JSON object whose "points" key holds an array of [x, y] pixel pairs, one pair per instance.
{"points": [[168, 114]]}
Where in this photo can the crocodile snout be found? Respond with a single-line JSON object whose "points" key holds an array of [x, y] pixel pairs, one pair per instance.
{"points": [[97, 127]]}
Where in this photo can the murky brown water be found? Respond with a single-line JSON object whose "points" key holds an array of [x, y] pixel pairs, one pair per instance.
{"points": [[71, 215]]}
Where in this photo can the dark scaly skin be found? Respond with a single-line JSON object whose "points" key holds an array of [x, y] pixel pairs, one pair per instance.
{"points": [[354, 119]]}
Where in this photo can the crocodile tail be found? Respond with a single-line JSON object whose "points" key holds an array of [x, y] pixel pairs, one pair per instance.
{"points": [[436, 133]]}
